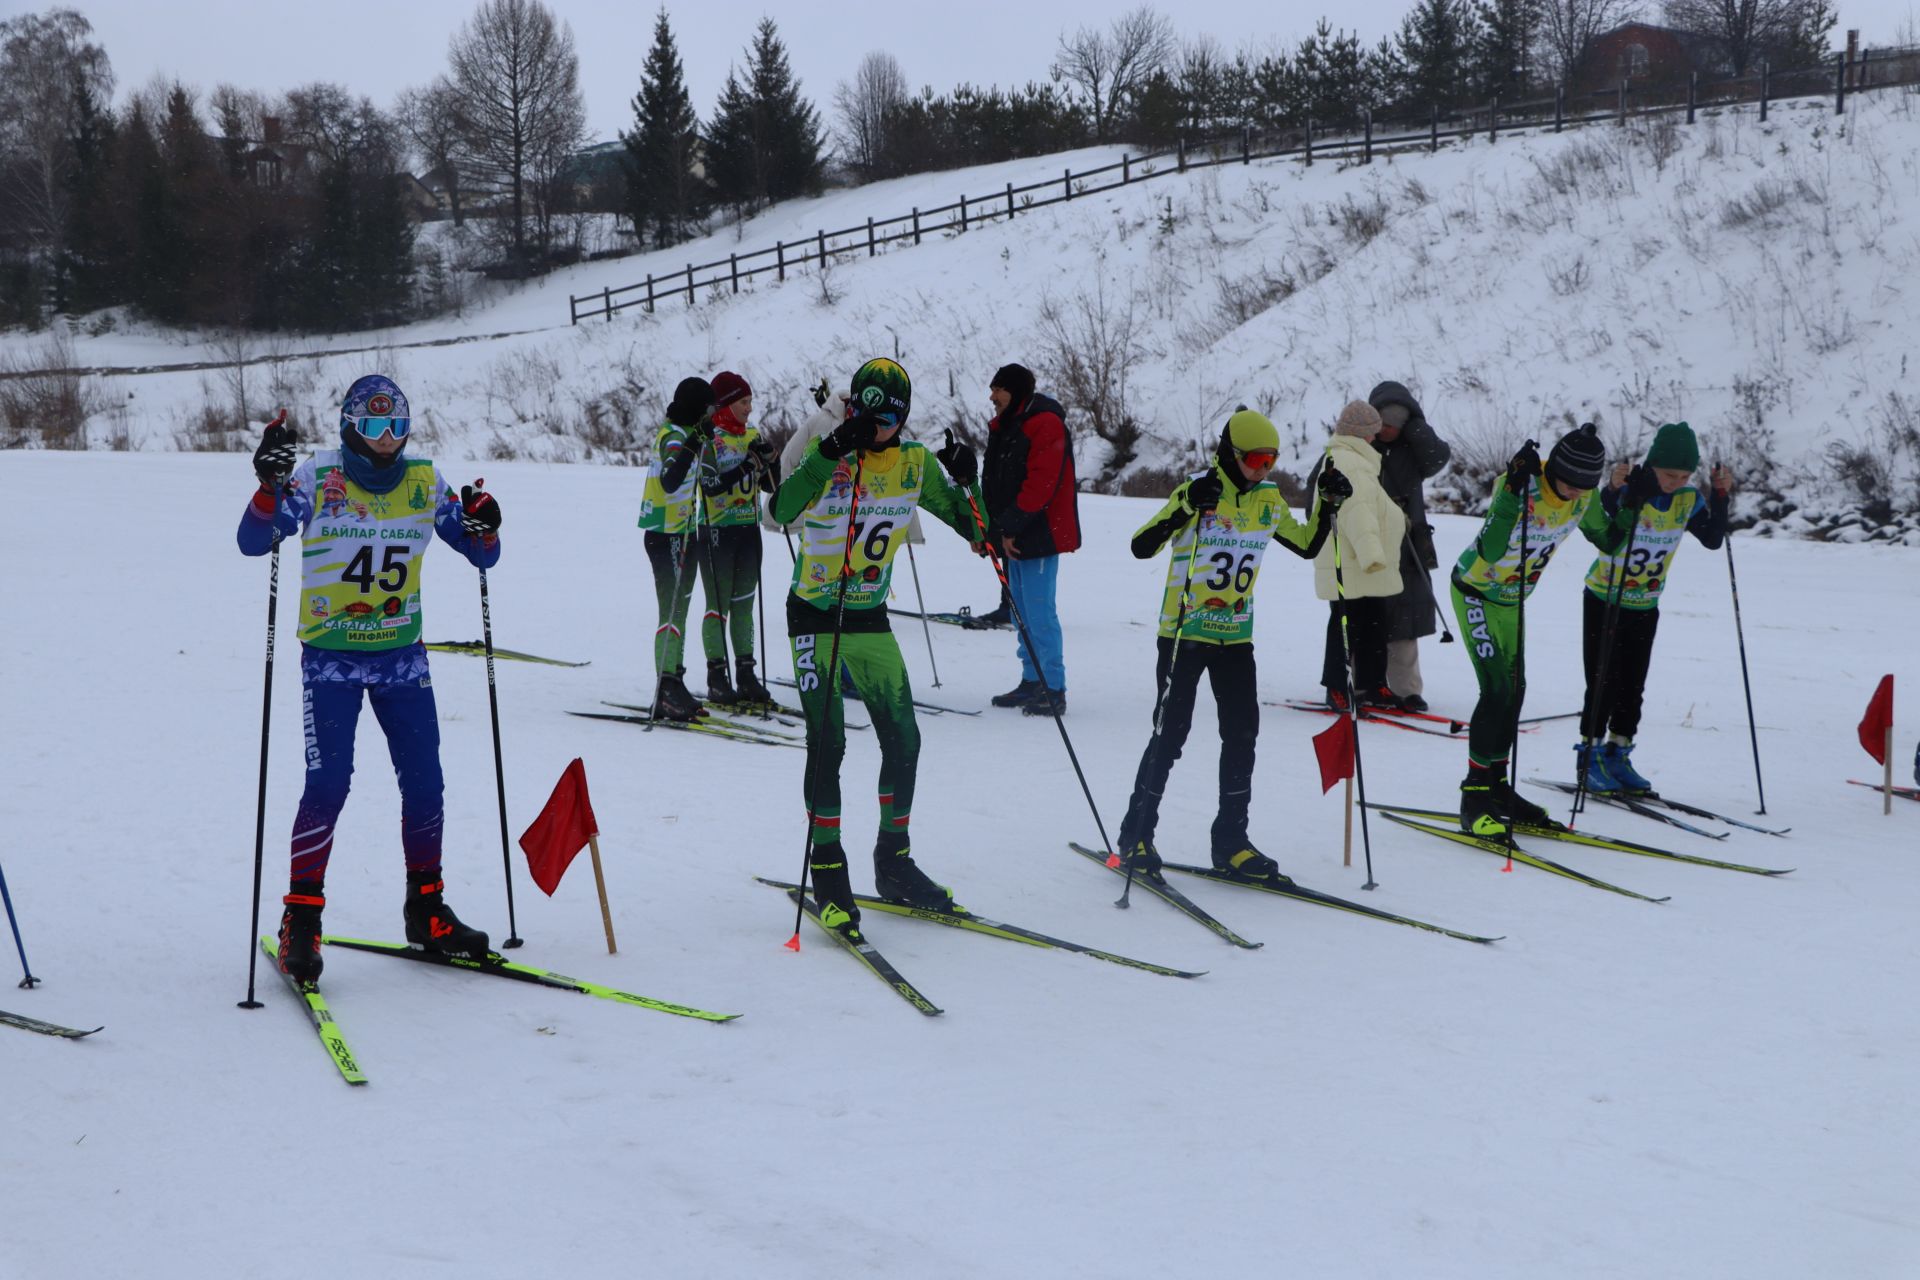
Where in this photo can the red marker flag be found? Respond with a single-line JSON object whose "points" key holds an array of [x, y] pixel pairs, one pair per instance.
{"points": [[1878, 721], [1333, 747], [563, 829]]}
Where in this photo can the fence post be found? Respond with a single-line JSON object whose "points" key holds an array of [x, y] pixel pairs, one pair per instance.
{"points": [[1433, 128], [1369, 119], [1309, 156], [1622, 117], [963, 213], [1559, 105], [870, 250], [1009, 202], [1493, 120], [916, 224], [1246, 144], [780, 259], [1693, 94], [1766, 87], [1839, 84], [573, 309], [1066, 182], [606, 302], [823, 248], [733, 270], [649, 293], [1180, 151], [1126, 169], [689, 284]]}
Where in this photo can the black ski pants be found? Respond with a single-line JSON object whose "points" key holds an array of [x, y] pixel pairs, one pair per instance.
{"points": [[1617, 707], [1367, 628], [1236, 695]]}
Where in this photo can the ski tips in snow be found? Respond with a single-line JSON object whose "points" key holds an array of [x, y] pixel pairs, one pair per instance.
{"points": [[25, 1023]]}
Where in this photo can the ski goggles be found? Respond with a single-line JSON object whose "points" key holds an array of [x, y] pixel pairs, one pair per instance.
{"points": [[377, 426], [1258, 457]]}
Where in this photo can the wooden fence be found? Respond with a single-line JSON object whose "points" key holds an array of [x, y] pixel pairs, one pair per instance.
{"points": [[1873, 69]]}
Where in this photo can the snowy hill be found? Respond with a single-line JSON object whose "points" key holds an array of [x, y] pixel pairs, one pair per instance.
{"points": [[1750, 278], [1717, 1086]]}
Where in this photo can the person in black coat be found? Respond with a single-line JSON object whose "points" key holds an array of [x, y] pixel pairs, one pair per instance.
{"points": [[1412, 453]]}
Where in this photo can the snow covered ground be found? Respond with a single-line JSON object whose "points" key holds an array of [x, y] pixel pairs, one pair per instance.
{"points": [[1721, 1086]]}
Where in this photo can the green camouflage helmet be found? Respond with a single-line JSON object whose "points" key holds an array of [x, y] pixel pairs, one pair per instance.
{"points": [[881, 387]]}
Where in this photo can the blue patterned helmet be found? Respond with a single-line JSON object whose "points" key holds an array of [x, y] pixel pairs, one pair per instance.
{"points": [[375, 407]]}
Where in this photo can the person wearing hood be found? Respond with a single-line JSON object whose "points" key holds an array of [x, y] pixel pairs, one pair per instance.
{"points": [[734, 470], [667, 519], [364, 515], [1358, 571], [1220, 522]]}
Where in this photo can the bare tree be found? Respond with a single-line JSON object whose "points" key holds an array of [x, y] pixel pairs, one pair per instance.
{"points": [[516, 82], [866, 107], [1107, 67], [1748, 29], [1567, 27], [47, 61], [430, 119]]}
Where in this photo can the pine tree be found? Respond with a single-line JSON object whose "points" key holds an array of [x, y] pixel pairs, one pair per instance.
{"points": [[764, 141], [1434, 41], [1502, 56], [663, 192], [734, 159]]}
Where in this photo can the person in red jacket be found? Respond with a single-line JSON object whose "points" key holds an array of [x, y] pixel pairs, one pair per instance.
{"points": [[1033, 517]]}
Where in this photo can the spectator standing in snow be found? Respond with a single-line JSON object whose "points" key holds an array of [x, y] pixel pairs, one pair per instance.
{"points": [[1033, 517], [1368, 538]]}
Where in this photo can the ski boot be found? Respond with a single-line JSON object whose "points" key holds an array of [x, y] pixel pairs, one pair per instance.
{"points": [[833, 890], [1616, 757], [1383, 698], [1414, 702], [998, 616], [898, 878], [1142, 858], [747, 685], [431, 924], [1519, 810], [675, 702], [1249, 864], [1337, 700], [1018, 696], [1050, 703], [719, 688], [300, 932], [1592, 765], [1481, 812]]}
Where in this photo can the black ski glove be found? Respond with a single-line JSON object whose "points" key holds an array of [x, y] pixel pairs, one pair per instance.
{"points": [[958, 458], [1523, 468], [857, 432], [479, 512], [1334, 487], [1642, 485], [1203, 494], [821, 393], [273, 459]]}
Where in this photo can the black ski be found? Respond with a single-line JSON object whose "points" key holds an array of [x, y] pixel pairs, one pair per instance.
{"points": [[501, 967], [1710, 815], [964, 618], [961, 918], [1303, 894], [1592, 840], [934, 707], [321, 1016], [1905, 793], [739, 733], [866, 954], [1637, 804], [25, 1023], [478, 649], [1159, 888], [733, 715], [1500, 848]]}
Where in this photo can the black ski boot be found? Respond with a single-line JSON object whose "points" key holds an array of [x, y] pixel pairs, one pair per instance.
{"points": [[431, 924], [300, 932], [897, 878], [1249, 864], [1481, 810], [719, 688], [1142, 857], [1519, 810], [833, 890], [674, 702], [747, 684], [1046, 703], [1018, 696]]}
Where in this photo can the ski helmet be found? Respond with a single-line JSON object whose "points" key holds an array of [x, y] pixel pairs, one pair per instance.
{"points": [[881, 387], [375, 407], [1250, 432]]}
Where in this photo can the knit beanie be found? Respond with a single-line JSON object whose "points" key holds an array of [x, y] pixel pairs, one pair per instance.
{"points": [[1674, 446], [1014, 379], [729, 386], [691, 399], [1579, 459], [1359, 419]]}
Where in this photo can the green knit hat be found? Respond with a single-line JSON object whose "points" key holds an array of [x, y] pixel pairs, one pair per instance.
{"points": [[1674, 446]]}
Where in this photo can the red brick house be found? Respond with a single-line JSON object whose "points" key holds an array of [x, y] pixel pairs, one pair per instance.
{"points": [[1646, 56]]}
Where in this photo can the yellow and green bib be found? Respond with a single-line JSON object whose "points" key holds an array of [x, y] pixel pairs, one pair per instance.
{"points": [[1656, 538], [1547, 527], [891, 482], [1225, 547], [362, 556], [741, 503], [661, 510]]}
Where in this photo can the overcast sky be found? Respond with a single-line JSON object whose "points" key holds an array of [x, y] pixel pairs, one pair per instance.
{"points": [[378, 47]]}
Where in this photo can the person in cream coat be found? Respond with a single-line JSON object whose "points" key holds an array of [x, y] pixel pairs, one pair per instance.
{"points": [[1366, 538]]}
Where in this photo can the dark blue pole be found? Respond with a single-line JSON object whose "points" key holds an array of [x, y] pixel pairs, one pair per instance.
{"points": [[28, 980]]}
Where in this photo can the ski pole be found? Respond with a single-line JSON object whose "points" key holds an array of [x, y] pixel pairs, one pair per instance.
{"points": [[1059, 720], [1353, 701], [1599, 702], [499, 770], [27, 979], [831, 690], [924, 624], [1446, 636], [1746, 682], [1173, 663], [266, 721]]}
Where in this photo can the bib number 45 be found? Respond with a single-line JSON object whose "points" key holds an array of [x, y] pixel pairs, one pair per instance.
{"points": [[390, 576]]}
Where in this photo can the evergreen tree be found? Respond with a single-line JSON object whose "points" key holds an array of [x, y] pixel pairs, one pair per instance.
{"points": [[663, 193], [764, 141], [1328, 83], [735, 165], [1434, 42], [1503, 40]]}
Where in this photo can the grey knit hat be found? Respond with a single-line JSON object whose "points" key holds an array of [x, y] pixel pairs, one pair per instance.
{"points": [[1358, 419]]}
